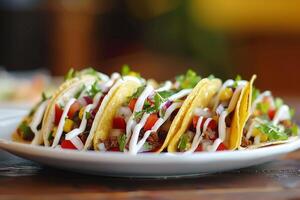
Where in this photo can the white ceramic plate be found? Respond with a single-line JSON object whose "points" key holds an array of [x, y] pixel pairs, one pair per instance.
{"points": [[142, 165]]}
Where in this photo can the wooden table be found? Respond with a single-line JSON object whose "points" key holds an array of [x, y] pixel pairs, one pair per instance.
{"points": [[23, 179]]}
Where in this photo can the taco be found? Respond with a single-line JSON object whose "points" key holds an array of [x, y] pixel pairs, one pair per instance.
{"points": [[267, 120], [71, 113], [210, 121], [143, 120], [29, 130]]}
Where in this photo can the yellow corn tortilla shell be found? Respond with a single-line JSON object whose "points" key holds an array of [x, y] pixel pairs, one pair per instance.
{"points": [[200, 97], [66, 90], [241, 115], [104, 121]]}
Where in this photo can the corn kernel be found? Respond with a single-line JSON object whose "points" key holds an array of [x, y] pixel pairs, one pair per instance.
{"points": [[81, 112], [256, 132], [133, 74], [263, 137], [68, 125], [54, 130], [226, 94]]}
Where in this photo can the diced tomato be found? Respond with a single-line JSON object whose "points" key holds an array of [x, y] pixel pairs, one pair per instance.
{"points": [[132, 103], [119, 123], [212, 124], [271, 113], [195, 121], [199, 148], [222, 147], [58, 114], [75, 107], [114, 149], [150, 122], [88, 100], [67, 144]]}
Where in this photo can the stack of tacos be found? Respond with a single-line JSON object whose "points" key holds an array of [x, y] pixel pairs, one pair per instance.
{"points": [[125, 113]]}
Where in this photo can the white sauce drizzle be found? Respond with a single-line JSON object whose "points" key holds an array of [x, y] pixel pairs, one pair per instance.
{"points": [[37, 117], [62, 122], [77, 131], [214, 146], [138, 107], [166, 86], [283, 113], [134, 145], [76, 141]]}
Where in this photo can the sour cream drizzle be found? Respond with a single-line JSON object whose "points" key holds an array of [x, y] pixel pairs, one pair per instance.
{"points": [[77, 131], [134, 145], [138, 107], [62, 122], [37, 117], [166, 86], [283, 113]]}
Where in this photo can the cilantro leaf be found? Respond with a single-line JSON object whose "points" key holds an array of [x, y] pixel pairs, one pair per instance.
{"points": [[71, 74], [138, 115], [183, 141], [94, 89], [76, 96], [274, 133], [236, 82], [122, 142], [138, 92], [166, 94], [25, 131], [125, 70], [88, 115], [189, 80]]}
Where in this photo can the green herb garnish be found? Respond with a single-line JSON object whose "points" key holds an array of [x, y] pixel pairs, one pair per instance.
{"points": [[182, 144], [25, 131], [122, 142], [236, 82], [125, 70], [88, 115], [263, 107], [71, 74], [189, 80], [295, 130], [292, 112], [138, 92], [273, 132], [166, 94], [94, 89]]}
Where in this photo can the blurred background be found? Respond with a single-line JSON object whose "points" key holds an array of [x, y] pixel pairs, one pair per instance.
{"points": [[159, 38]]}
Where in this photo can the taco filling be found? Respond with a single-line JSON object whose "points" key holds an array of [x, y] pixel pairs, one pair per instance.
{"points": [[143, 122], [74, 116], [270, 121], [30, 127], [210, 127]]}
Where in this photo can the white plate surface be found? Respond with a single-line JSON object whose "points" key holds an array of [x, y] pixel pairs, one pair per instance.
{"points": [[142, 165]]}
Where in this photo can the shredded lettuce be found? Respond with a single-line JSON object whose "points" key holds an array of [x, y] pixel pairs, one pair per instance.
{"points": [[183, 141], [122, 142], [71, 74], [274, 133]]}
